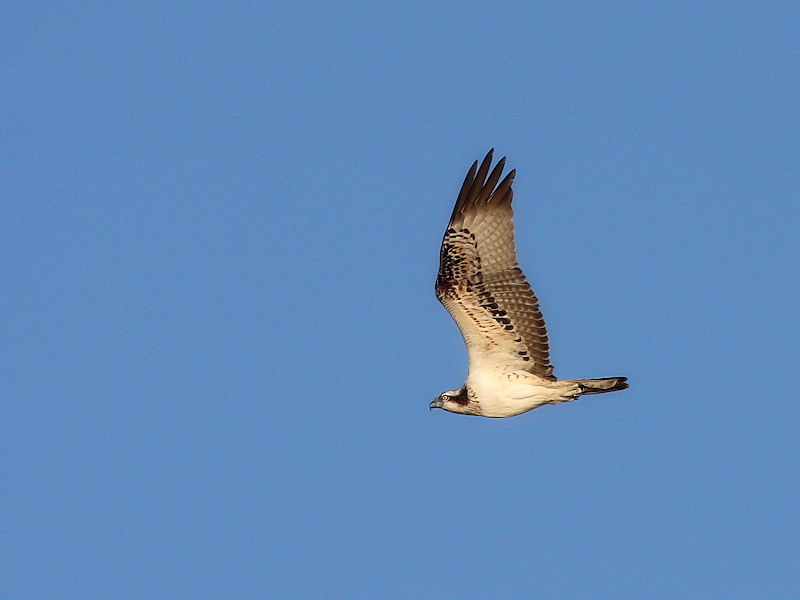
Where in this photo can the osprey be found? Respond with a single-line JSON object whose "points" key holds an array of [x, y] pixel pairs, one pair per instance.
{"points": [[486, 293]]}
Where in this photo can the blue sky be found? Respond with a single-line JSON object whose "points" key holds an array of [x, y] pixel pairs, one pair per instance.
{"points": [[220, 233]]}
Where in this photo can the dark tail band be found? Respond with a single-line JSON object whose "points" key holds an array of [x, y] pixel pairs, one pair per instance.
{"points": [[601, 386]]}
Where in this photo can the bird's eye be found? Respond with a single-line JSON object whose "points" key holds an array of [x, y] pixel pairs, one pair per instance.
{"points": [[445, 397]]}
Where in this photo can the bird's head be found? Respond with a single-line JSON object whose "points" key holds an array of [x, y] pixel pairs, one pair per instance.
{"points": [[455, 401]]}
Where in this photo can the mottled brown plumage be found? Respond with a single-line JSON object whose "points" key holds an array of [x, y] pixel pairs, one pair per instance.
{"points": [[484, 290], [478, 266]]}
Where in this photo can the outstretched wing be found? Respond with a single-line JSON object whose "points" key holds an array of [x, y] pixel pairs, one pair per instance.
{"points": [[480, 284]]}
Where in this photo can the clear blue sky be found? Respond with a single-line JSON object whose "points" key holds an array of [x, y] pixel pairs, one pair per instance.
{"points": [[219, 234]]}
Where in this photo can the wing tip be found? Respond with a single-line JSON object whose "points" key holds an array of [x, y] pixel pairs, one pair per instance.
{"points": [[478, 189]]}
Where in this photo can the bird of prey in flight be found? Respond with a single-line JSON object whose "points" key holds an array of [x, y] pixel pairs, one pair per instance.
{"points": [[486, 293]]}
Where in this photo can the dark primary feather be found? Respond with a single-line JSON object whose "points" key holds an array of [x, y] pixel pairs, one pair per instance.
{"points": [[479, 282]]}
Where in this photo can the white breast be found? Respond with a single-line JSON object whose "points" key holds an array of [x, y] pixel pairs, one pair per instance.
{"points": [[505, 394]]}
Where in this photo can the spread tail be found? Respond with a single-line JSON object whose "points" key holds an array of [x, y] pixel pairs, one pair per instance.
{"points": [[600, 386]]}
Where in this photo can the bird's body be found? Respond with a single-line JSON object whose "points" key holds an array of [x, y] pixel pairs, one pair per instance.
{"points": [[486, 293]]}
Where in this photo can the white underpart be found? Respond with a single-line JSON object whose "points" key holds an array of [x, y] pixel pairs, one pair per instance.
{"points": [[508, 393]]}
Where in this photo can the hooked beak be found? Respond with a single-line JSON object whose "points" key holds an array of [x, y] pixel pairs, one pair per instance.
{"points": [[435, 404]]}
